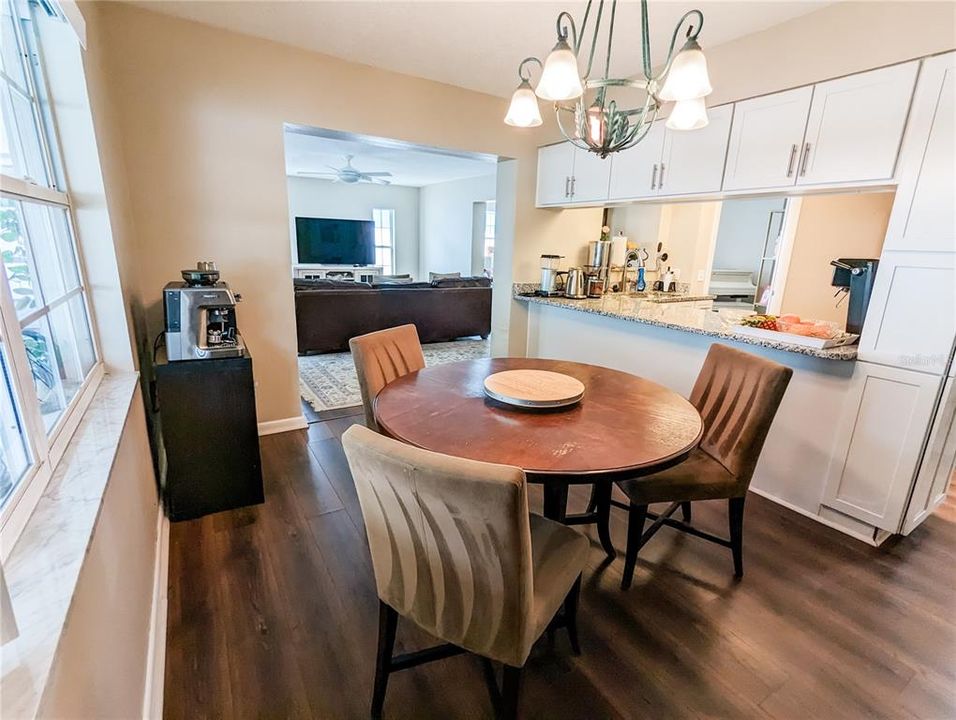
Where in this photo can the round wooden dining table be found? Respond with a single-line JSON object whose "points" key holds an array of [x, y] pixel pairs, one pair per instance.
{"points": [[623, 427]]}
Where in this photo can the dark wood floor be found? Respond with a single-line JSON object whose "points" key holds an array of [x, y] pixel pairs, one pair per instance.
{"points": [[272, 614]]}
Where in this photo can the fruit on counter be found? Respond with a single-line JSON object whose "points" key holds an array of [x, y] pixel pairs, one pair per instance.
{"points": [[765, 322], [794, 324]]}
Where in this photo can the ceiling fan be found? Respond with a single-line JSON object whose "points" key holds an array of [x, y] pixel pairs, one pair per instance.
{"points": [[350, 175]]}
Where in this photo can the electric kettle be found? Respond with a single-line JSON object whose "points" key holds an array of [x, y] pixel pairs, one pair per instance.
{"points": [[576, 284]]}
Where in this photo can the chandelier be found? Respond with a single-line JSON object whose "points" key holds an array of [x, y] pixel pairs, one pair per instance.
{"points": [[602, 127]]}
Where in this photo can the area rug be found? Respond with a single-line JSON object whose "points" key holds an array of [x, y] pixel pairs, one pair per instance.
{"points": [[328, 381]]}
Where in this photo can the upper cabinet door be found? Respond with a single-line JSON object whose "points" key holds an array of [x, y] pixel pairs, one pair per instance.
{"points": [[924, 214], [693, 160], [555, 163], [634, 172], [856, 125], [765, 139], [590, 177]]}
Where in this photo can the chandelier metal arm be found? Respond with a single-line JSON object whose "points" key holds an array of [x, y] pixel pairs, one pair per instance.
{"points": [[563, 31], [521, 70], [692, 32], [597, 28], [570, 137]]}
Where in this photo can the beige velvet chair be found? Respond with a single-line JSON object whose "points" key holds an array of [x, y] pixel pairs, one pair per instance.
{"points": [[737, 395], [381, 357], [455, 551]]}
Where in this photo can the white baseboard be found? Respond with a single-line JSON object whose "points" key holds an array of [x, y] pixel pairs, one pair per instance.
{"points": [[156, 652], [271, 427], [819, 518]]}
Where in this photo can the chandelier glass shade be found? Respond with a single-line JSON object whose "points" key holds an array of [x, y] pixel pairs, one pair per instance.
{"points": [[598, 123]]}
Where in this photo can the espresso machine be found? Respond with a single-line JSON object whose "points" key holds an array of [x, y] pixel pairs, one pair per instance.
{"points": [[200, 315]]}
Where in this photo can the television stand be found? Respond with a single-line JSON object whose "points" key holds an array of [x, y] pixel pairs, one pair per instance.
{"points": [[357, 273]]}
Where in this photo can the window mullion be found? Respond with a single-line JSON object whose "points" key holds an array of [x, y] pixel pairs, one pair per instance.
{"points": [[25, 388]]}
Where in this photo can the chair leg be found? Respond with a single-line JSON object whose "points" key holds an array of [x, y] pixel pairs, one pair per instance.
{"points": [[636, 516], [510, 692], [685, 511], [593, 501], [571, 615], [387, 623], [735, 508]]}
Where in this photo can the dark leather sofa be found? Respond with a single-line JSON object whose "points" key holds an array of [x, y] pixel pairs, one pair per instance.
{"points": [[328, 312]]}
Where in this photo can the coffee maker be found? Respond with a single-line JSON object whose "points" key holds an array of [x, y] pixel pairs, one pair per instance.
{"points": [[200, 315], [552, 283], [854, 277]]}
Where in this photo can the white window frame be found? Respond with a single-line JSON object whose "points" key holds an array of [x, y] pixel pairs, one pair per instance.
{"points": [[45, 448], [378, 216], [489, 235]]}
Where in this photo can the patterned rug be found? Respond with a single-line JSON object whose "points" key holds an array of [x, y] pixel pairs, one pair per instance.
{"points": [[328, 381]]}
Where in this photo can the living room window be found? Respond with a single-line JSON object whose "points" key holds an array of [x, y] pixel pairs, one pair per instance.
{"points": [[48, 356], [489, 253], [384, 239]]}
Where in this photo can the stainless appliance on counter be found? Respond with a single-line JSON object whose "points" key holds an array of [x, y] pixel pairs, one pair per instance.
{"points": [[552, 277], [200, 315], [576, 285], [598, 268]]}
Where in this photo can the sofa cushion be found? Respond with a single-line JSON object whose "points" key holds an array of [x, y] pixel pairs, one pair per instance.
{"points": [[462, 282], [432, 277], [402, 286], [328, 284]]}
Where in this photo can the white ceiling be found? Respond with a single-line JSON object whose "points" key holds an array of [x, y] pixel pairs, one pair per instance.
{"points": [[475, 45], [410, 165]]}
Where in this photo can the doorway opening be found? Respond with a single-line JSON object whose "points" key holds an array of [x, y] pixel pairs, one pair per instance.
{"points": [[385, 233]]}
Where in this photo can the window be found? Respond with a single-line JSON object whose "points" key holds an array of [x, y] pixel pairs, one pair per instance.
{"points": [[384, 239], [489, 253], [48, 356]]}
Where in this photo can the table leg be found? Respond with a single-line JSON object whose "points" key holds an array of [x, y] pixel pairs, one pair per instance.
{"points": [[602, 501], [555, 500]]}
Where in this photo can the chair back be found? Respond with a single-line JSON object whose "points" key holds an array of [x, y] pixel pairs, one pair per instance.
{"points": [[737, 395], [381, 357], [450, 541]]}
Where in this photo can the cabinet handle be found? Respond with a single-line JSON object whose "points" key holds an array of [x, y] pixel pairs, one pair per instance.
{"points": [[567, 185], [654, 178], [572, 185], [793, 156], [806, 160], [660, 180]]}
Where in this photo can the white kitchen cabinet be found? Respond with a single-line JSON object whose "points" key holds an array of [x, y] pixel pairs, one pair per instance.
{"points": [[911, 320], [634, 172], [555, 167], [856, 126], [879, 441], [939, 461], [924, 213], [589, 177], [765, 139], [693, 160]]}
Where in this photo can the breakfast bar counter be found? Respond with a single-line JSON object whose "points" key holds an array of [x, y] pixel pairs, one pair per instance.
{"points": [[667, 343], [689, 316]]}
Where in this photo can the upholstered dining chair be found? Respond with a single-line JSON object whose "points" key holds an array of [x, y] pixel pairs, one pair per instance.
{"points": [[737, 395], [381, 357], [455, 551]]}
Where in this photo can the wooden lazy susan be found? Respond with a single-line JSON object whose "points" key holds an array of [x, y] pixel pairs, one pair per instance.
{"points": [[534, 388]]}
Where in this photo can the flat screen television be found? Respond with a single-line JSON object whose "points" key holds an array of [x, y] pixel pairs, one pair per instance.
{"points": [[329, 241]]}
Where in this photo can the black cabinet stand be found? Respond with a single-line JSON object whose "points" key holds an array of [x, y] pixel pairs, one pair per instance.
{"points": [[207, 416]]}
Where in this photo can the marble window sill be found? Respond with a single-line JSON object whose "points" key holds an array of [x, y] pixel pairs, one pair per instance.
{"points": [[44, 566]]}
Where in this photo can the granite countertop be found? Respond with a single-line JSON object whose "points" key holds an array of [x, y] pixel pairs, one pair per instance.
{"points": [[681, 316]]}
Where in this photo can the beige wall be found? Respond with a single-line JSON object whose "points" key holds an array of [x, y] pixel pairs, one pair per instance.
{"points": [[101, 662], [829, 227], [842, 38], [197, 114]]}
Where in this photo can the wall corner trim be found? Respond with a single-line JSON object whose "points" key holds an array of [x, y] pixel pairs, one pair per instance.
{"points": [[271, 427], [156, 651]]}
